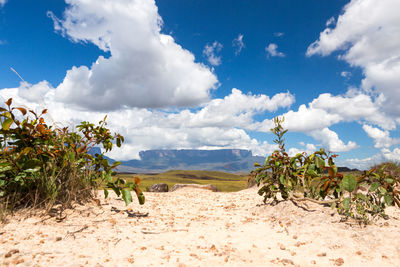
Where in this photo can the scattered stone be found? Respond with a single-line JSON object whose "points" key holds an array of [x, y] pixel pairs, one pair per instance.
{"points": [[323, 254], [58, 238], [282, 247], [11, 252], [287, 261], [159, 188], [339, 262], [298, 244], [206, 186]]}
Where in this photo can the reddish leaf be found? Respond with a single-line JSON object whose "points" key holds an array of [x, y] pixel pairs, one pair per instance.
{"points": [[331, 172], [9, 102], [137, 180], [40, 128], [23, 111], [326, 185]]}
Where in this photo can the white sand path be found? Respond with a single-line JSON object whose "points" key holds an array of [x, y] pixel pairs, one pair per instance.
{"points": [[195, 227]]}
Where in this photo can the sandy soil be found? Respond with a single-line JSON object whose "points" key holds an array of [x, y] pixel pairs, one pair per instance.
{"points": [[195, 227]]}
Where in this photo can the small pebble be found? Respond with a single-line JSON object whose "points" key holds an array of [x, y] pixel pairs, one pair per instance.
{"points": [[339, 262]]}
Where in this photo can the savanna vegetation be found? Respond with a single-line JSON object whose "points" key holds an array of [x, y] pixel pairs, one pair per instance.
{"points": [[42, 165], [225, 182], [315, 178]]}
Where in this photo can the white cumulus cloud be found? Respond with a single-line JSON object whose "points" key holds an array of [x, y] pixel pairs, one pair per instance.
{"points": [[381, 138], [2, 2], [145, 68], [272, 51], [220, 123], [331, 140], [210, 52], [367, 35]]}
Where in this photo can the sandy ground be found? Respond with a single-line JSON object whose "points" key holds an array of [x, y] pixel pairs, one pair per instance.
{"points": [[195, 227]]}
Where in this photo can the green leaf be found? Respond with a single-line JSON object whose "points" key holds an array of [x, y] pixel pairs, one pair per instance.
{"points": [[6, 124], [282, 179], [4, 169], [349, 183], [312, 172], [388, 200], [141, 198], [319, 162], [126, 196], [116, 190], [382, 190], [374, 186], [361, 196], [389, 180], [109, 177], [105, 193], [346, 203], [32, 170], [2, 182]]}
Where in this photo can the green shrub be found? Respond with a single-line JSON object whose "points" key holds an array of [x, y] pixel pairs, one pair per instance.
{"points": [[42, 165], [315, 178]]}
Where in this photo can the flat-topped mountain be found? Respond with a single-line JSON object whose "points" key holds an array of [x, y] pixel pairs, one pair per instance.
{"points": [[229, 160]]}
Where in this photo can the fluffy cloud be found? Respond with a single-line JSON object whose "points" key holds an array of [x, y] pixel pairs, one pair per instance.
{"points": [[145, 68], [361, 164], [331, 140], [238, 44], [210, 52], [393, 155], [368, 33], [307, 148], [381, 138], [272, 51], [221, 123], [353, 107], [327, 110], [2, 2]]}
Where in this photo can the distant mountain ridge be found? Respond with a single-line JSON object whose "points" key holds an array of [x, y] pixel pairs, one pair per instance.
{"points": [[228, 160]]}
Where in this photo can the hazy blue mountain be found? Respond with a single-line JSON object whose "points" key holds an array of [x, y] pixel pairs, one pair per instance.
{"points": [[229, 160]]}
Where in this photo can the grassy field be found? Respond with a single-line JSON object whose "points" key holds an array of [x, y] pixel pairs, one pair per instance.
{"points": [[225, 182]]}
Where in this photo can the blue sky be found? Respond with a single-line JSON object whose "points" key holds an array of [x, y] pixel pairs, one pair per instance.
{"points": [[212, 74]]}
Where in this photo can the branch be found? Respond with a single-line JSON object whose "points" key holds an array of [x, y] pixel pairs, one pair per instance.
{"points": [[314, 200]]}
